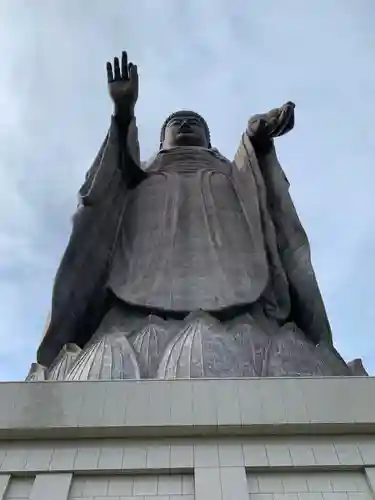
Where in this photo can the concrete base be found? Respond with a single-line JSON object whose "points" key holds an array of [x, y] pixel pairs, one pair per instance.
{"points": [[256, 439]]}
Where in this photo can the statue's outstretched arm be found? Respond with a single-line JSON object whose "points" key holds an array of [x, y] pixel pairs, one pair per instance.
{"points": [[256, 154]]}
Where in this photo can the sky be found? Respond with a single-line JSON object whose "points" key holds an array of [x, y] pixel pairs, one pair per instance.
{"points": [[225, 60]]}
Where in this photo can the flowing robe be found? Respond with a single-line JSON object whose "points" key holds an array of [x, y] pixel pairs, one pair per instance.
{"points": [[189, 240], [209, 270]]}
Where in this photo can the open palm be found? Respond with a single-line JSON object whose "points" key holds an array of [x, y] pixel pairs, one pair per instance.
{"points": [[122, 81]]}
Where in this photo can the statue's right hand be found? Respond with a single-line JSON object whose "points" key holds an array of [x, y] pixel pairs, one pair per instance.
{"points": [[122, 82]]}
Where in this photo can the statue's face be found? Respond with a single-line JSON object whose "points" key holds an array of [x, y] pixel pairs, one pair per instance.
{"points": [[185, 130]]}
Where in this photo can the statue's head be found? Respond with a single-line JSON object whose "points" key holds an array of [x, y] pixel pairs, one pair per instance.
{"points": [[184, 128]]}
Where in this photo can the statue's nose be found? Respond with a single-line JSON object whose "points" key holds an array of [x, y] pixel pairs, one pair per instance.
{"points": [[185, 125]]}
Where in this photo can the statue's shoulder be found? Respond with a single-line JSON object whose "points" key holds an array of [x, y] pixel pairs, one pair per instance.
{"points": [[218, 156]]}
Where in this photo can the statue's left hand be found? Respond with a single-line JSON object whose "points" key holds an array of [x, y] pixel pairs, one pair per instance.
{"points": [[264, 127]]}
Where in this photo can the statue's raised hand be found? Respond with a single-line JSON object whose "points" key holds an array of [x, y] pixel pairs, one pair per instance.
{"points": [[123, 83]]}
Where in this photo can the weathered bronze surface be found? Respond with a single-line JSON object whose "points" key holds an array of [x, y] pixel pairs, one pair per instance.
{"points": [[189, 266]]}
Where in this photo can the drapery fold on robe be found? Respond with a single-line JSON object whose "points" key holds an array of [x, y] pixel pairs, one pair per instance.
{"points": [[190, 241], [79, 287], [285, 235], [79, 291]]}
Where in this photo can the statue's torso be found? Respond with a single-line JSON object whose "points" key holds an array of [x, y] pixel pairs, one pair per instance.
{"points": [[185, 242]]}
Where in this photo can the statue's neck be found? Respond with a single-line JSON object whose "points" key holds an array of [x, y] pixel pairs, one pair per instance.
{"points": [[191, 155], [184, 149]]}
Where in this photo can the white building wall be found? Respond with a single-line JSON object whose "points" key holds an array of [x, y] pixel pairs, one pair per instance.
{"points": [[237, 468], [133, 487], [82, 441], [18, 488], [323, 485]]}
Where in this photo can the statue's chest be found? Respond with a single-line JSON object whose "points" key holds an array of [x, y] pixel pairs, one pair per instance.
{"points": [[186, 242], [185, 194], [189, 214]]}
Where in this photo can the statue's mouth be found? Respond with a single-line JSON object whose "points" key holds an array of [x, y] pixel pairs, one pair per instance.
{"points": [[185, 130]]}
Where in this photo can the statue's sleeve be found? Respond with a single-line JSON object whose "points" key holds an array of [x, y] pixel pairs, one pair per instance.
{"points": [[118, 156], [79, 290], [307, 308]]}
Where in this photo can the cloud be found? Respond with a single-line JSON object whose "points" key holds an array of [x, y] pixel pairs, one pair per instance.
{"points": [[225, 60]]}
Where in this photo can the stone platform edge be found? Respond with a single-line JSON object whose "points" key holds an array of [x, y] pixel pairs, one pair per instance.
{"points": [[184, 408]]}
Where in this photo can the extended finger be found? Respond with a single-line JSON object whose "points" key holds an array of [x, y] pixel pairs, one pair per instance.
{"points": [[124, 65], [116, 65], [109, 72], [133, 72], [133, 76]]}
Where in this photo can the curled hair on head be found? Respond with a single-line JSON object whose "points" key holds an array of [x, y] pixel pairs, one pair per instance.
{"points": [[177, 114]]}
